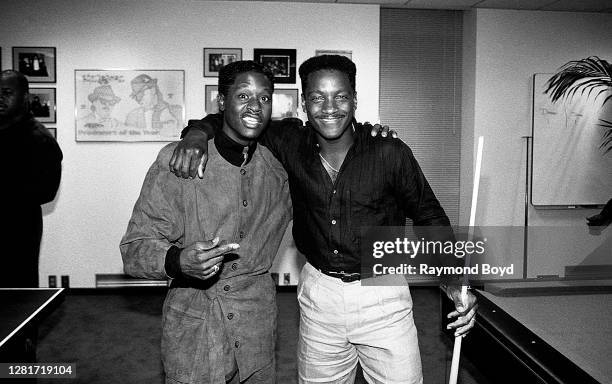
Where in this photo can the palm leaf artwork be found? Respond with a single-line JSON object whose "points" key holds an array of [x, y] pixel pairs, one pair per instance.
{"points": [[585, 76]]}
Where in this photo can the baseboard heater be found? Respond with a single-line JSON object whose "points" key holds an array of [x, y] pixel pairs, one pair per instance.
{"points": [[119, 280]]}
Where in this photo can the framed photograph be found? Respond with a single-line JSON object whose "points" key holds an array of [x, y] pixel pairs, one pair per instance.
{"points": [[129, 105], [284, 103], [347, 54], [36, 63], [216, 58], [42, 104], [280, 61], [210, 105], [53, 132]]}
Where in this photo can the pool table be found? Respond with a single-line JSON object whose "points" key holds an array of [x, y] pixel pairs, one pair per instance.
{"points": [[542, 332]]}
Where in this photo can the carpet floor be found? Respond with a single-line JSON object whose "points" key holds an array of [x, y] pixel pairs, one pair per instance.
{"points": [[114, 337]]}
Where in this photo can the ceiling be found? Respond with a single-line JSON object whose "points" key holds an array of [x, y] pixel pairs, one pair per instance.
{"points": [[542, 5]]}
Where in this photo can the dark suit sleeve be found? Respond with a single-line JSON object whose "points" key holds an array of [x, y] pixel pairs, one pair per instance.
{"points": [[421, 205], [210, 124], [47, 168], [416, 196], [282, 137]]}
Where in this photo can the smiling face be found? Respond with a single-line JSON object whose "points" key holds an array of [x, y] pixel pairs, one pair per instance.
{"points": [[330, 101], [247, 107]]}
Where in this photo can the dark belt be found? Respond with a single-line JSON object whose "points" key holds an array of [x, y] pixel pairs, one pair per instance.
{"points": [[345, 277]]}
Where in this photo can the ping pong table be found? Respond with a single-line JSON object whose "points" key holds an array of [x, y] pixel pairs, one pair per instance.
{"points": [[21, 310]]}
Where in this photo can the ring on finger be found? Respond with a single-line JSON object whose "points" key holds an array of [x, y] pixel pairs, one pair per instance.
{"points": [[215, 269]]}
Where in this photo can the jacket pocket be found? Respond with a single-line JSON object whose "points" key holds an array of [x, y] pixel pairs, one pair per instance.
{"points": [[183, 346]]}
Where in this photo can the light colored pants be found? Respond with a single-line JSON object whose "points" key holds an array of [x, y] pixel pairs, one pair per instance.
{"points": [[345, 323]]}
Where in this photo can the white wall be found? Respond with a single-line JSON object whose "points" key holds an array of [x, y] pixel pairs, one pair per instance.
{"points": [[508, 47], [101, 181]]}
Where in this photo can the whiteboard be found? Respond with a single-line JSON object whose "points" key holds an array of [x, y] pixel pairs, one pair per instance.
{"points": [[569, 168]]}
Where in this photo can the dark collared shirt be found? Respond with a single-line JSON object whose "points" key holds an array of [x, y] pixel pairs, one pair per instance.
{"points": [[380, 183]]}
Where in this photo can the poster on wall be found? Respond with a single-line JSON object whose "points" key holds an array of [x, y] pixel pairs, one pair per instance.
{"points": [[129, 105], [569, 168]]}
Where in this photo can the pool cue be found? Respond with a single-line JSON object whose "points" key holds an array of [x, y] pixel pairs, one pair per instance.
{"points": [[457, 347]]}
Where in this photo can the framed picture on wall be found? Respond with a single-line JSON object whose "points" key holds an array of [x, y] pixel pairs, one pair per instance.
{"points": [[36, 63], [129, 105], [347, 54], [280, 61], [284, 103], [53, 132], [216, 58], [210, 104], [42, 104]]}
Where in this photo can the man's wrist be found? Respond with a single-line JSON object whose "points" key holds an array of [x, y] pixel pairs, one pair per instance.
{"points": [[450, 284], [193, 126], [172, 265], [208, 125]]}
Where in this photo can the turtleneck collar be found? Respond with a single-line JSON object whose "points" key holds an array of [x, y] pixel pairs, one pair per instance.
{"points": [[232, 151]]}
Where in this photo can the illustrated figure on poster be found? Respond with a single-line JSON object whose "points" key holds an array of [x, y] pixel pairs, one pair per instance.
{"points": [[103, 101], [154, 116]]}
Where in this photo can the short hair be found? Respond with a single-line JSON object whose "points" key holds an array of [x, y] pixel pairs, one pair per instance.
{"points": [[22, 81], [330, 62], [228, 73]]}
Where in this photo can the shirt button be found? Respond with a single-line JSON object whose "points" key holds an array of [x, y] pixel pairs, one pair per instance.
{"points": [[226, 288], [241, 234], [230, 316], [243, 171], [335, 251], [334, 191], [333, 222], [234, 267], [237, 344], [245, 203]]}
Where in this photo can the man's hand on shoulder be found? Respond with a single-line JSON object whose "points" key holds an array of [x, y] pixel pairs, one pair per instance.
{"points": [[383, 130], [190, 155]]}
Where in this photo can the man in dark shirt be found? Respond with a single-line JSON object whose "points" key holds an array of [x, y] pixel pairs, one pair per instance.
{"points": [[26, 187], [341, 179]]}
